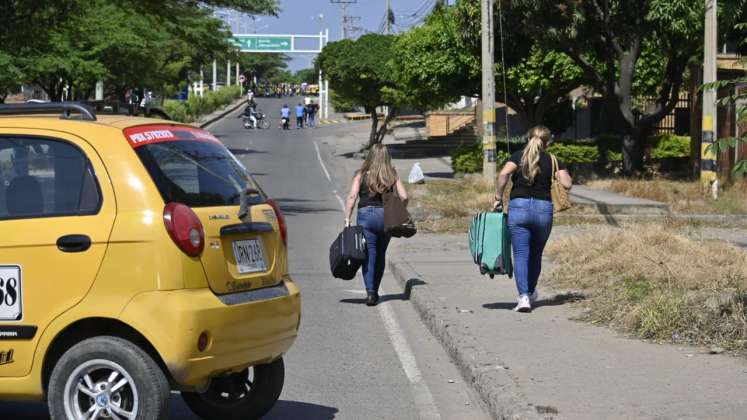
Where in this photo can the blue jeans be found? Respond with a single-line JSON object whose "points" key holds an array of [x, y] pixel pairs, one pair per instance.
{"points": [[310, 120], [372, 221], [530, 224]]}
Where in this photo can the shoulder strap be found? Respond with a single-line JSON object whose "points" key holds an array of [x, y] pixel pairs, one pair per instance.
{"points": [[554, 166]]}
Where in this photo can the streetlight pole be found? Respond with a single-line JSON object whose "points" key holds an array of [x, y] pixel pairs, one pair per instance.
{"points": [[708, 173], [215, 75], [488, 91]]}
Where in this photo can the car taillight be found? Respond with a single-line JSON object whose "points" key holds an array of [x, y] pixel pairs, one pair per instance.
{"points": [[281, 220], [185, 228]]}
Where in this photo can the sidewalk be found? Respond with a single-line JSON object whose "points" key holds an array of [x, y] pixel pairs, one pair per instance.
{"points": [[346, 144], [543, 364]]}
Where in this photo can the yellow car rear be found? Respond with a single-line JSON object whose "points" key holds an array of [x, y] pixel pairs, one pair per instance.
{"points": [[137, 256]]}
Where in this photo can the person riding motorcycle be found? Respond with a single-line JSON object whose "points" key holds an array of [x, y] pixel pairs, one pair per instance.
{"points": [[250, 112], [285, 116]]}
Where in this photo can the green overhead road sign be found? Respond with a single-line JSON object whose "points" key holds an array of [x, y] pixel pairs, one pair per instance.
{"points": [[264, 43]]}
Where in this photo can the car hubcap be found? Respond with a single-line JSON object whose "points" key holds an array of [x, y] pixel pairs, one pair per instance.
{"points": [[100, 389]]}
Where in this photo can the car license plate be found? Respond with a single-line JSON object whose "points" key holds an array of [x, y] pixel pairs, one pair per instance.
{"points": [[11, 298], [249, 256]]}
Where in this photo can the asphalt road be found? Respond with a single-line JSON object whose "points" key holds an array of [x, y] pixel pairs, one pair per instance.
{"points": [[350, 361]]}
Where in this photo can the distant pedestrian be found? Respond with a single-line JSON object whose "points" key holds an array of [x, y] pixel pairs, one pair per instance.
{"points": [[530, 209], [375, 177], [299, 115], [310, 114]]}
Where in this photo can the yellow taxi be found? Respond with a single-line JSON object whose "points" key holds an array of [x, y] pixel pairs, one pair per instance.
{"points": [[137, 256]]}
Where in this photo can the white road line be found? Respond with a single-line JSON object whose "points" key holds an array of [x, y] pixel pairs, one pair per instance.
{"points": [[424, 401], [324, 167], [340, 200]]}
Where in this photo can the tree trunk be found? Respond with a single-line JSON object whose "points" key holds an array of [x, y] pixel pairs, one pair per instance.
{"points": [[373, 138], [633, 150]]}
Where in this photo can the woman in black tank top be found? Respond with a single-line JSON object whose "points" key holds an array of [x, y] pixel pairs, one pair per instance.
{"points": [[530, 210], [376, 176]]}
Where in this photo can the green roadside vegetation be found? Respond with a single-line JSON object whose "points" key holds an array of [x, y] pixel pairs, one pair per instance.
{"points": [[664, 146], [656, 284], [195, 106]]}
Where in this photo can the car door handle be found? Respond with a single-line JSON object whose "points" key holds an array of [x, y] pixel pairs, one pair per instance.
{"points": [[73, 243]]}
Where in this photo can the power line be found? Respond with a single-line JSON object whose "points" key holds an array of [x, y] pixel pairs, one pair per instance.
{"points": [[347, 21]]}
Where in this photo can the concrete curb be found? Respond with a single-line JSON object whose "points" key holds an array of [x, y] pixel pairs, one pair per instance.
{"points": [[498, 390], [218, 115]]}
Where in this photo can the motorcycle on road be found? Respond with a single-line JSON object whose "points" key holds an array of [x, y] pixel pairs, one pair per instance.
{"points": [[262, 122]]}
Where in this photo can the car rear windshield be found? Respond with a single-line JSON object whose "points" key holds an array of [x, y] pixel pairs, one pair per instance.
{"points": [[190, 166]]}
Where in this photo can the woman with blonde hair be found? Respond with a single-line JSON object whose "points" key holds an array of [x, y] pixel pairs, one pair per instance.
{"points": [[375, 177], [530, 210]]}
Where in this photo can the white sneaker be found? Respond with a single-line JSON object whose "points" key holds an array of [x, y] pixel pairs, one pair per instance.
{"points": [[534, 297], [524, 305]]}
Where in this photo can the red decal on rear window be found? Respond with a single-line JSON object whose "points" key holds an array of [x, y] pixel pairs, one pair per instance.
{"points": [[149, 134]]}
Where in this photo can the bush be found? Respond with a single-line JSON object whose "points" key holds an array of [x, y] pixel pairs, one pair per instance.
{"points": [[573, 153], [469, 159], [666, 146], [195, 107]]}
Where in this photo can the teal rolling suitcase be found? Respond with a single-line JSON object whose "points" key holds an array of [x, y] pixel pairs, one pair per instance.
{"points": [[490, 243]]}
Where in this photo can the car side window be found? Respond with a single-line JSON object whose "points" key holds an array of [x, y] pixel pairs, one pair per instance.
{"points": [[41, 177]]}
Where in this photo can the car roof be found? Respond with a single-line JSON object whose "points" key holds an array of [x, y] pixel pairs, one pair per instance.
{"points": [[53, 121]]}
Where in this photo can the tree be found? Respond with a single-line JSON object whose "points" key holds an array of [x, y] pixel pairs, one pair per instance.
{"points": [[606, 39], [134, 43], [310, 76], [440, 61], [264, 65], [358, 72]]}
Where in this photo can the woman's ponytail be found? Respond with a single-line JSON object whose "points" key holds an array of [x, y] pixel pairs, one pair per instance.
{"points": [[539, 137]]}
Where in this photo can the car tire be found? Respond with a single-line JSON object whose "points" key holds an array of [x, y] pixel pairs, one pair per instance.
{"points": [[225, 400], [141, 386]]}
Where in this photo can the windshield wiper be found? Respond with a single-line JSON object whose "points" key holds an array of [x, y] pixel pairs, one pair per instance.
{"points": [[244, 200]]}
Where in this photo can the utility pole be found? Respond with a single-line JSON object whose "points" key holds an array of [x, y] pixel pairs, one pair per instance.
{"points": [[215, 75], [388, 27], [488, 91], [228, 73], [346, 20], [708, 159]]}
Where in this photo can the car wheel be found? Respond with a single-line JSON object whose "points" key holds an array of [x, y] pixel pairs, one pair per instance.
{"points": [[107, 377], [246, 395]]}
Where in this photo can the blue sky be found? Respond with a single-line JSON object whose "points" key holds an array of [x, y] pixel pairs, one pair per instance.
{"points": [[302, 17]]}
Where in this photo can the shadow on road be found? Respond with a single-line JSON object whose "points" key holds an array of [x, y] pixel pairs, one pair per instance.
{"points": [[282, 410], [557, 300], [299, 410], [294, 206], [239, 152], [397, 296], [24, 410]]}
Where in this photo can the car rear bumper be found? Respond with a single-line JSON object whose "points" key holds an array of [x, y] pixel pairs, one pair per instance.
{"points": [[244, 329]]}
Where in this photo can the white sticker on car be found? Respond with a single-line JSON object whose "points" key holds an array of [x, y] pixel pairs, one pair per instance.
{"points": [[11, 294]]}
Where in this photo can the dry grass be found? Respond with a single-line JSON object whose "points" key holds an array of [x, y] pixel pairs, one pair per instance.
{"points": [[657, 284], [684, 197], [454, 199], [448, 206]]}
